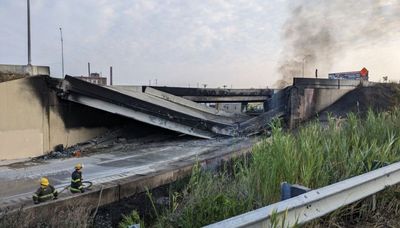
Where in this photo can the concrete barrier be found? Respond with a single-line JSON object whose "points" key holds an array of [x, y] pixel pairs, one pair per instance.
{"points": [[12, 72]]}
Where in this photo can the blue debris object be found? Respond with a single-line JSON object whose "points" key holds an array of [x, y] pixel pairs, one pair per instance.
{"points": [[291, 190]]}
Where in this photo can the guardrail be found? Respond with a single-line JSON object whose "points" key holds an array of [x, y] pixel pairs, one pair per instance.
{"points": [[319, 202]]}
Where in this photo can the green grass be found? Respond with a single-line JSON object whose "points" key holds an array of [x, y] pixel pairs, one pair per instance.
{"points": [[314, 156], [131, 219]]}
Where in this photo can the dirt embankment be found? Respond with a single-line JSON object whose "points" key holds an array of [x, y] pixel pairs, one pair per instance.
{"points": [[380, 97]]}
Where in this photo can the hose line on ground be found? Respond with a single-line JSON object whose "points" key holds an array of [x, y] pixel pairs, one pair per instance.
{"points": [[98, 203]]}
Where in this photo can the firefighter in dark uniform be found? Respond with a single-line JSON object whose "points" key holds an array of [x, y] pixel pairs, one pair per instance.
{"points": [[45, 192], [76, 180]]}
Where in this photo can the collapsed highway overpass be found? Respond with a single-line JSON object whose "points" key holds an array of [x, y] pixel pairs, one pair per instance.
{"points": [[158, 108], [40, 112]]}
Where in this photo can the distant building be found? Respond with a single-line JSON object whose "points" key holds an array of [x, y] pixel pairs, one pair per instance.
{"points": [[229, 107], [94, 78]]}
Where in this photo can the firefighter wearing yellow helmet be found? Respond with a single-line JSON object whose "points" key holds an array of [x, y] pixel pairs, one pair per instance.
{"points": [[45, 192], [76, 180]]}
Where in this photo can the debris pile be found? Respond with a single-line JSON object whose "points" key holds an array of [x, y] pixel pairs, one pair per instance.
{"points": [[109, 138], [61, 152]]}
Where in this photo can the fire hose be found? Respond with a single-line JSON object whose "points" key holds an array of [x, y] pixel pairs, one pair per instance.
{"points": [[86, 186]]}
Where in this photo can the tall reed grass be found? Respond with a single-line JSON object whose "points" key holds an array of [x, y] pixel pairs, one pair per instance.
{"points": [[315, 155]]}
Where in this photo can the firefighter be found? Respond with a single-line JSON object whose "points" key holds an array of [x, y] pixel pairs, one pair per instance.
{"points": [[45, 192], [76, 180]]}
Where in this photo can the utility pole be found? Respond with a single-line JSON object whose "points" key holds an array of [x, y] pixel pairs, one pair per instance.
{"points": [[29, 32], [62, 52], [111, 76]]}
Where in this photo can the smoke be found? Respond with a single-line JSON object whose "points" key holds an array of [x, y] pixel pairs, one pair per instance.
{"points": [[318, 33]]}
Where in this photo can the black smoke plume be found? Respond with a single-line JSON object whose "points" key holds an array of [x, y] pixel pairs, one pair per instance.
{"points": [[318, 33]]}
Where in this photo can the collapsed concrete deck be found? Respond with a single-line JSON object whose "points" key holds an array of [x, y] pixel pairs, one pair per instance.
{"points": [[160, 109]]}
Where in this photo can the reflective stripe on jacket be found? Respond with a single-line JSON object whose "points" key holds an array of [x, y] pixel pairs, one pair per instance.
{"points": [[76, 181], [45, 193]]}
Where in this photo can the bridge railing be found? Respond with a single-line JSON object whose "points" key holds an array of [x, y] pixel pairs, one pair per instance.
{"points": [[319, 202]]}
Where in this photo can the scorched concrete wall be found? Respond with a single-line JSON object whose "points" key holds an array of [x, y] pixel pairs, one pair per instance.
{"points": [[307, 102], [309, 96], [33, 121]]}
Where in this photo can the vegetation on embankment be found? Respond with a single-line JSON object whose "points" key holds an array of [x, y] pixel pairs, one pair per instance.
{"points": [[314, 156]]}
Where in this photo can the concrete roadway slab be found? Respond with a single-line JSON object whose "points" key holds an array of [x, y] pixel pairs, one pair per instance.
{"points": [[20, 180]]}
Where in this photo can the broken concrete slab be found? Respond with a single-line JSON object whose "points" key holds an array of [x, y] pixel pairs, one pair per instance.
{"points": [[185, 102], [153, 107]]}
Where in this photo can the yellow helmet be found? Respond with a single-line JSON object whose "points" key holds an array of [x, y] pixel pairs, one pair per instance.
{"points": [[44, 181], [79, 166]]}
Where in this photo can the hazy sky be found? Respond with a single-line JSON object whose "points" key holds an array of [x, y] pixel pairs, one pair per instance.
{"points": [[236, 42]]}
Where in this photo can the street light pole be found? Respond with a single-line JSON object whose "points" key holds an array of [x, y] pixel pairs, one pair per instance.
{"points": [[29, 32], [62, 52]]}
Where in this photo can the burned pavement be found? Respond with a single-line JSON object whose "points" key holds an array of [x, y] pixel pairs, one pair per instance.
{"points": [[116, 162]]}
